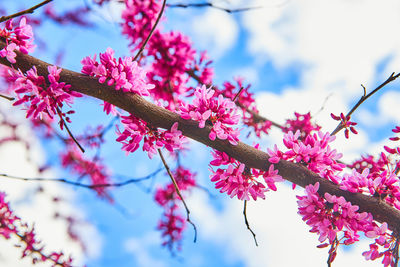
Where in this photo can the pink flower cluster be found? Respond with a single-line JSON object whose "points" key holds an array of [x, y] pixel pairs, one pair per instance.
{"points": [[136, 129], [303, 123], [173, 56], [11, 226], [170, 56], [138, 19], [314, 152], [201, 68], [19, 38], [124, 74], [218, 112], [43, 99], [345, 123], [172, 224], [240, 181], [331, 215], [97, 172], [185, 180], [245, 101]]}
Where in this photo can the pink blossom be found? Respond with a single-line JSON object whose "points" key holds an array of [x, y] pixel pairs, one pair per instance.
{"points": [[18, 38], [345, 123], [219, 112], [237, 180], [136, 130], [125, 73], [43, 100], [301, 123], [97, 172]]}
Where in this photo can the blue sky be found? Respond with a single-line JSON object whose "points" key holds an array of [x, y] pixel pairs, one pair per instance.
{"points": [[299, 57]]}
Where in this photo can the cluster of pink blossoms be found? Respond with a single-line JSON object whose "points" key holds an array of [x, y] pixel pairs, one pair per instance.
{"points": [[19, 38], [11, 226], [94, 169], [170, 56], [138, 19], [172, 224], [301, 123], [237, 180], [218, 112], [332, 215], [314, 152], [346, 124], [136, 129], [124, 73], [43, 99], [246, 103]]}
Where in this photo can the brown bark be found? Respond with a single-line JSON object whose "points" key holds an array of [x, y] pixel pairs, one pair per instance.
{"points": [[251, 157]]}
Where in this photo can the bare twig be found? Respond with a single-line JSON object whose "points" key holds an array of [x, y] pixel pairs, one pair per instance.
{"points": [[78, 184], [179, 194], [69, 132], [209, 4], [27, 11], [151, 32], [247, 222], [238, 93], [9, 98], [364, 97]]}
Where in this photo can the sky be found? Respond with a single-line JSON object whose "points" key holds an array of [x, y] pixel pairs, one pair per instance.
{"points": [[304, 56]]}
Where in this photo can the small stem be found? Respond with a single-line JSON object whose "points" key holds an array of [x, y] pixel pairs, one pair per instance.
{"points": [[364, 97], [207, 4], [9, 98], [27, 11], [69, 132], [151, 32], [247, 222], [238, 93], [179, 194]]}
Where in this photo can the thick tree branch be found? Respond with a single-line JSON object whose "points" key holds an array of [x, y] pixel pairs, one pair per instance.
{"points": [[251, 157]]}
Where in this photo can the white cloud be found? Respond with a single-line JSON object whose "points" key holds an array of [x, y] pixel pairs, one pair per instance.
{"points": [[140, 248], [38, 209], [339, 45], [215, 31]]}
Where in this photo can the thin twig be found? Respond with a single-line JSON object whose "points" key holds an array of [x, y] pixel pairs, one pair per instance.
{"points": [[27, 11], [179, 194], [247, 222], [209, 4], [9, 98], [238, 93], [364, 97], [78, 184], [151, 32], [69, 132]]}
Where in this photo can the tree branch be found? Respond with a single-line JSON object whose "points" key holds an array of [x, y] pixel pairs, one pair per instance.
{"points": [[251, 157], [209, 4], [27, 11], [78, 184]]}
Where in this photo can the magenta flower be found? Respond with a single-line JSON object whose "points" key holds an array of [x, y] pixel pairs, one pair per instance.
{"points": [[124, 74], [136, 130], [345, 123], [42, 99], [19, 38], [218, 112], [238, 181]]}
